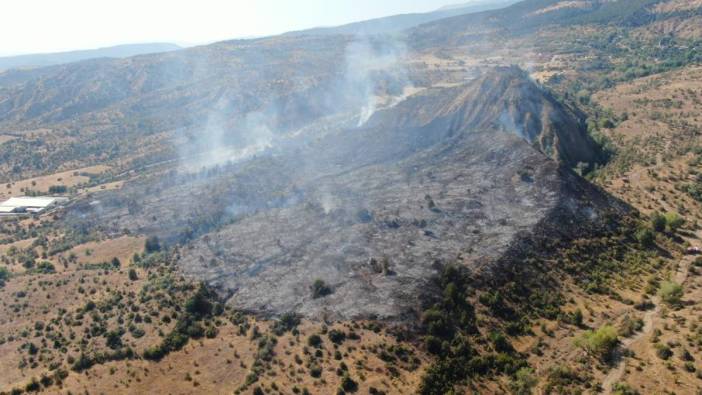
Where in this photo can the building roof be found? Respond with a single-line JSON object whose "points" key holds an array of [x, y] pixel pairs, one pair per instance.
{"points": [[29, 204], [29, 201]]}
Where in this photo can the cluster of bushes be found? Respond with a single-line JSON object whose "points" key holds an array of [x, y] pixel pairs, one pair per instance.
{"points": [[57, 189], [561, 379], [45, 267], [594, 262], [694, 190], [70, 239], [600, 343], [523, 382], [86, 361], [287, 322], [154, 254], [441, 377], [449, 325], [671, 293], [668, 223], [44, 381], [450, 316], [265, 354], [4, 275], [198, 307], [623, 389], [629, 326]]}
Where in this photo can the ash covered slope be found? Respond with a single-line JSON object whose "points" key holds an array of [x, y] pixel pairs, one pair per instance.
{"points": [[504, 99], [438, 178], [459, 174]]}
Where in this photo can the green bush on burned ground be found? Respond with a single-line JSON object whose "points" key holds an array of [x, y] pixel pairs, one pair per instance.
{"points": [[320, 289]]}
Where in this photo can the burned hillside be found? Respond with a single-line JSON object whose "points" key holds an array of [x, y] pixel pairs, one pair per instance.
{"points": [[455, 174]]}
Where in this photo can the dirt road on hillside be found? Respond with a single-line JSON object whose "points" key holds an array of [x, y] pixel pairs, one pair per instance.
{"points": [[616, 373]]}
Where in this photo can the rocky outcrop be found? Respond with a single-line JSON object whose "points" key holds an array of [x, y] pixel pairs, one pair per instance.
{"points": [[503, 99]]}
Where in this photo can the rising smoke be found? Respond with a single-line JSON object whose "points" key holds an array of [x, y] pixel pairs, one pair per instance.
{"points": [[372, 75], [375, 73]]}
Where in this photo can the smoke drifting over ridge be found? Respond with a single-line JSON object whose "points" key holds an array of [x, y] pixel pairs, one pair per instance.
{"points": [[374, 71], [372, 75], [219, 143]]}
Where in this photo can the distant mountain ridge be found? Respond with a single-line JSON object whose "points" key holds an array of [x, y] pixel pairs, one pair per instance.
{"points": [[396, 23], [50, 59]]}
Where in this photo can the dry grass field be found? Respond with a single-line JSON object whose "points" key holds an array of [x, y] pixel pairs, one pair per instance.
{"points": [[42, 184]]}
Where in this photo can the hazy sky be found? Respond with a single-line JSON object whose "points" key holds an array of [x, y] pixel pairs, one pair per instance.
{"points": [[31, 26]]}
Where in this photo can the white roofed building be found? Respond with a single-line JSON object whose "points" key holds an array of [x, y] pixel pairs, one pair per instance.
{"points": [[29, 204]]}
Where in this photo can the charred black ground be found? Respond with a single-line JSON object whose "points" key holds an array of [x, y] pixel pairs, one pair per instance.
{"points": [[371, 212]]}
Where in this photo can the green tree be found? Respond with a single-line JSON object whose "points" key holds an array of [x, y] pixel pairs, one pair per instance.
{"points": [[673, 222], [320, 289], [113, 339], [116, 263], [4, 275], [152, 245], [133, 275], [600, 343], [523, 382], [199, 304], [56, 189], [658, 221], [671, 293], [314, 340], [645, 237], [348, 384]]}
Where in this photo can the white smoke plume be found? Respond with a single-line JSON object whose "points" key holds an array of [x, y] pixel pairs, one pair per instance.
{"points": [[372, 75], [376, 73], [219, 141]]}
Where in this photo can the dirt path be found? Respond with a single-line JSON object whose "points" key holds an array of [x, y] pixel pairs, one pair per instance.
{"points": [[615, 374]]}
